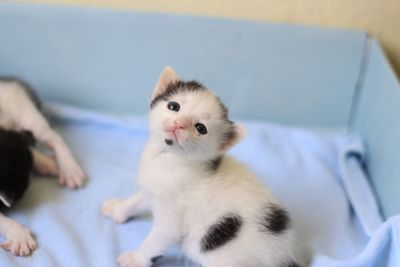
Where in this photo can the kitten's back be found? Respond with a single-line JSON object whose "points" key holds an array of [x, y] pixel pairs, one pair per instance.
{"points": [[233, 217]]}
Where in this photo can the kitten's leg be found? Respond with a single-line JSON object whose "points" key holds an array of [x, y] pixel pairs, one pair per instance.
{"points": [[43, 164], [19, 240], [161, 237], [121, 210], [26, 116]]}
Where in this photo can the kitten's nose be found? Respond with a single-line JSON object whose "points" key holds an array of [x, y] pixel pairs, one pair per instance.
{"points": [[180, 124]]}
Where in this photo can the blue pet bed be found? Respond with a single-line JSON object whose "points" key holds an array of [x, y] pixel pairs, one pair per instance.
{"points": [[329, 150]]}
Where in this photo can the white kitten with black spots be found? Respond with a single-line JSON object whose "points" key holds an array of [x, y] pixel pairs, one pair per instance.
{"points": [[21, 121], [200, 197]]}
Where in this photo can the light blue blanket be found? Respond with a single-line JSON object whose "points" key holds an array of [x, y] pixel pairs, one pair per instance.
{"points": [[317, 175]]}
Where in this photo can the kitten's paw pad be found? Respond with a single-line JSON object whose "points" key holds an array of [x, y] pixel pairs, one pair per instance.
{"points": [[131, 259], [19, 241], [114, 208]]}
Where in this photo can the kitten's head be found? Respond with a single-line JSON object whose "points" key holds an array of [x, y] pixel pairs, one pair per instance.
{"points": [[191, 120], [15, 165]]}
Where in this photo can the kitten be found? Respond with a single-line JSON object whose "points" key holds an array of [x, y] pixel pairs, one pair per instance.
{"points": [[200, 197], [21, 123]]}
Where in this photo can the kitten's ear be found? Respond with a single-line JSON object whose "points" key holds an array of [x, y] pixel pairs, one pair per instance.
{"points": [[231, 138], [5, 199], [167, 76]]}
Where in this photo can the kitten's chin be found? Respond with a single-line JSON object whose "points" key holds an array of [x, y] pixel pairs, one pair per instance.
{"points": [[174, 143], [188, 153]]}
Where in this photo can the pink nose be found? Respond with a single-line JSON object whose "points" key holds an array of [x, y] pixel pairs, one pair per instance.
{"points": [[179, 124]]}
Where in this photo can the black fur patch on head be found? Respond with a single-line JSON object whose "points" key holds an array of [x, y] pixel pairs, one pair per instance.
{"points": [[177, 87], [218, 234], [156, 258], [16, 164], [214, 164], [186, 86], [169, 142], [276, 219], [27, 88]]}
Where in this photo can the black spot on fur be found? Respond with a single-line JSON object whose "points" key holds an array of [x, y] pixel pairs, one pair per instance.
{"points": [[156, 258], [16, 164], [225, 230], [168, 142], [214, 164], [276, 220], [27, 88]]}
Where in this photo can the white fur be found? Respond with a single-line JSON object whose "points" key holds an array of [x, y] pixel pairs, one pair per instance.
{"points": [[186, 198], [17, 112]]}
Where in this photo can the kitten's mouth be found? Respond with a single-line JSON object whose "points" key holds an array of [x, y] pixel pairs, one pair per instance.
{"points": [[171, 135]]}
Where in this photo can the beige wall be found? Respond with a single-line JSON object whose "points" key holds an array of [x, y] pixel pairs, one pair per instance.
{"points": [[381, 18]]}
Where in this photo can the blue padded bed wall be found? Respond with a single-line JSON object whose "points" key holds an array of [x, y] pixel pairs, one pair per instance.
{"points": [[95, 69]]}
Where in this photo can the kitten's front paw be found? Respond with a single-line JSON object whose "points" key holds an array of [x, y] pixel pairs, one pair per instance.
{"points": [[131, 259], [115, 209], [71, 175], [19, 241]]}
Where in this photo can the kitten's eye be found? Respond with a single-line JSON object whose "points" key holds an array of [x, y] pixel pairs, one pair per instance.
{"points": [[174, 106], [201, 128]]}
